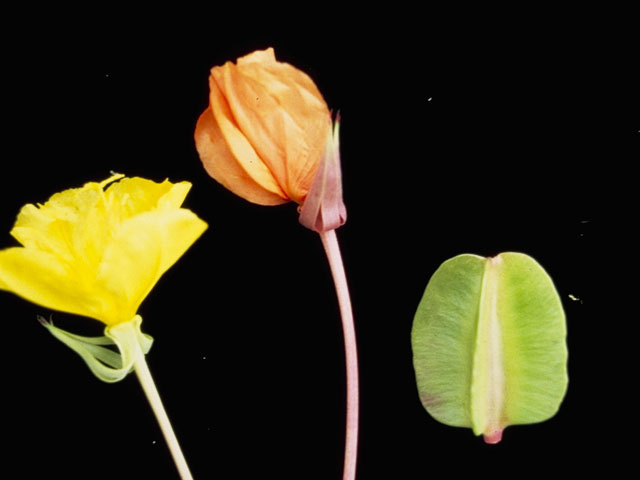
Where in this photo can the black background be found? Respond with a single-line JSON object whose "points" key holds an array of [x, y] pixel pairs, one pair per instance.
{"points": [[453, 141]]}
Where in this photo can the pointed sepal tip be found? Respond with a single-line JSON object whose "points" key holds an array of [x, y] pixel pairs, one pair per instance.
{"points": [[323, 209]]}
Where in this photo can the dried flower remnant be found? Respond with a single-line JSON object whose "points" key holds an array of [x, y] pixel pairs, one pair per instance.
{"points": [[265, 129], [267, 136]]}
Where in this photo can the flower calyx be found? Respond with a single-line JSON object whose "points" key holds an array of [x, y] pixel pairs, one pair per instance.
{"points": [[107, 364], [323, 209]]}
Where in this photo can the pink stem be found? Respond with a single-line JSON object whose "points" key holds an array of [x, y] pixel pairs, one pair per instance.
{"points": [[330, 243]]}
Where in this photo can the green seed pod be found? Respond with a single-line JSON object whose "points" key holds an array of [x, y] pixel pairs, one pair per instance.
{"points": [[489, 346]]}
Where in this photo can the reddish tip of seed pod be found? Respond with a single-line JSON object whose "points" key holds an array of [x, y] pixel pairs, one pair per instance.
{"points": [[493, 437]]}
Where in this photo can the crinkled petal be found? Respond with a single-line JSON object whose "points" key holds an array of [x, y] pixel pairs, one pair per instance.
{"points": [[303, 152], [35, 229], [282, 114], [73, 225], [61, 224], [39, 277], [238, 144], [132, 196], [281, 78], [258, 115], [223, 167], [98, 253], [305, 117]]}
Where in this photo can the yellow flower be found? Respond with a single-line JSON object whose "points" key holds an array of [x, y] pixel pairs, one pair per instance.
{"points": [[98, 252]]}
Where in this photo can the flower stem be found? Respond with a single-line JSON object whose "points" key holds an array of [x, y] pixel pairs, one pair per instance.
{"points": [[331, 248], [150, 390]]}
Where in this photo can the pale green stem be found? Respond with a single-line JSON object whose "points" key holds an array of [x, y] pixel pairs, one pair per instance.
{"points": [[150, 390], [332, 249]]}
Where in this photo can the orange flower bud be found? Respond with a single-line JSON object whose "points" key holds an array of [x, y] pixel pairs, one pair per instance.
{"points": [[265, 130]]}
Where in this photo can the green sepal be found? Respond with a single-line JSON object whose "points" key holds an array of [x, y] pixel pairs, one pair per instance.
{"points": [[106, 364]]}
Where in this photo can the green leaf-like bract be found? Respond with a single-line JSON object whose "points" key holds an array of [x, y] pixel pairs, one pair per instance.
{"points": [[489, 344], [106, 364]]}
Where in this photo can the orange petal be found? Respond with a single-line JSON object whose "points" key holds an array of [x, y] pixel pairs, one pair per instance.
{"points": [[257, 114], [303, 152], [307, 122], [282, 114], [238, 144], [221, 164]]}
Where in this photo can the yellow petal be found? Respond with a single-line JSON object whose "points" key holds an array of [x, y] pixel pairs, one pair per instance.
{"points": [[175, 196], [70, 225], [141, 250], [98, 253], [41, 278], [35, 229], [180, 230], [131, 196]]}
